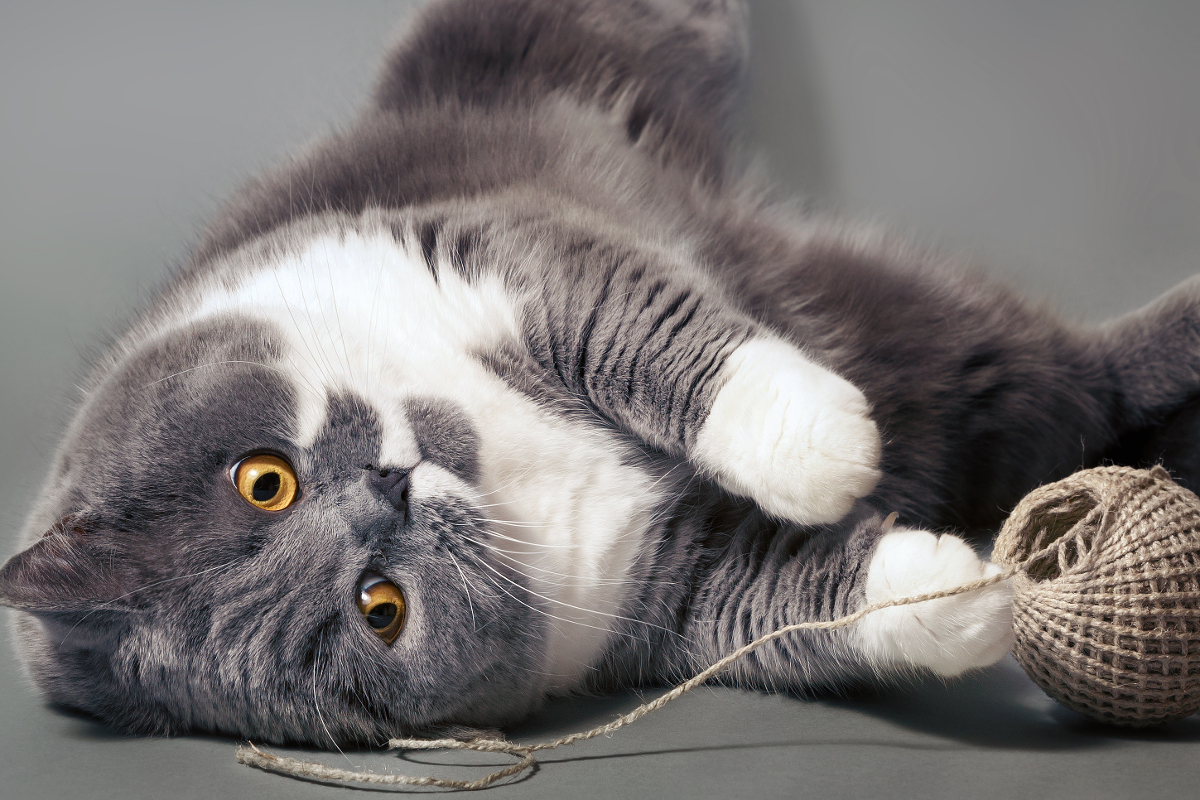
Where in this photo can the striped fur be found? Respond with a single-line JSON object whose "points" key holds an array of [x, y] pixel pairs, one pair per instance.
{"points": [[645, 414]]}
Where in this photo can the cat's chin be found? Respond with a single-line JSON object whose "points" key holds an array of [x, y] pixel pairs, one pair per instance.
{"points": [[948, 636]]}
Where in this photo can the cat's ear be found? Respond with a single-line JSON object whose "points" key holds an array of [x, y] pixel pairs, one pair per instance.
{"points": [[71, 568]]}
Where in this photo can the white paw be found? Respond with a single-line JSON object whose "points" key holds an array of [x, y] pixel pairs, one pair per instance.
{"points": [[947, 636], [790, 434]]}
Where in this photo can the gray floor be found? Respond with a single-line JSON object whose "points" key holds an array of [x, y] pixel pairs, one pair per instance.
{"points": [[1058, 142]]}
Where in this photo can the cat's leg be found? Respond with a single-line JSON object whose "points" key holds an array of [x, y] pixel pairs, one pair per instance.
{"points": [[667, 357], [785, 576], [669, 72]]}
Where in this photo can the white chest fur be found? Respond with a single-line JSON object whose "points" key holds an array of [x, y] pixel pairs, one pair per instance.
{"points": [[362, 313]]}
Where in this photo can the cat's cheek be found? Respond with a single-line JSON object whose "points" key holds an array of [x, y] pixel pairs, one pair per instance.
{"points": [[947, 636], [790, 434]]}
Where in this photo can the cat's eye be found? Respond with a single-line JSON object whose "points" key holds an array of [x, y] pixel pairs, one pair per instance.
{"points": [[266, 481], [382, 605]]}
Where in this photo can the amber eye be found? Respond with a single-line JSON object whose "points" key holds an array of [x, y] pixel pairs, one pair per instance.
{"points": [[266, 481], [382, 605]]}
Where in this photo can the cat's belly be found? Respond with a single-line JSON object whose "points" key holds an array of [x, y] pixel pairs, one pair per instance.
{"points": [[571, 507]]}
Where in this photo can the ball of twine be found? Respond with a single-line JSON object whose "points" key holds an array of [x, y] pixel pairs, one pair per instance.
{"points": [[1106, 597]]}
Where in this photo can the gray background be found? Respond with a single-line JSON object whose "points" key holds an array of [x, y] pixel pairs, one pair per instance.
{"points": [[1056, 142]]}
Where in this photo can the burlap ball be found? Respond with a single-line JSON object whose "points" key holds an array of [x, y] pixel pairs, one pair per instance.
{"points": [[1106, 605]]}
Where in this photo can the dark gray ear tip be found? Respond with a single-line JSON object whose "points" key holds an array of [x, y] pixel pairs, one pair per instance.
{"points": [[15, 580], [63, 571], [8, 595]]}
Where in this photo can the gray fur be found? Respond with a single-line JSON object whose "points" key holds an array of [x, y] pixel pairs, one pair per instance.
{"points": [[445, 435], [580, 152]]}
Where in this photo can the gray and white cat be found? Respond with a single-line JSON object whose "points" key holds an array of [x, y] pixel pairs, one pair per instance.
{"points": [[519, 387]]}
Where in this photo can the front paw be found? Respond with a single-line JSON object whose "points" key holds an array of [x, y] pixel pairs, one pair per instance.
{"points": [[948, 636], [790, 434]]}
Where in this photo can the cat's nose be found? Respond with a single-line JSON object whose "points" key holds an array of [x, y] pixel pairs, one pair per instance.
{"points": [[391, 484]]}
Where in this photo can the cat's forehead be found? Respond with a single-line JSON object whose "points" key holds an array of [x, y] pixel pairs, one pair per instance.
{"points": [[159, 439], [368, 292], [365, 306], [229, 382], [210, 386]]}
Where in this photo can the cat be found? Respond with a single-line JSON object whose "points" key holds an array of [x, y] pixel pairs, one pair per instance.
{"points": [[521, 386]]}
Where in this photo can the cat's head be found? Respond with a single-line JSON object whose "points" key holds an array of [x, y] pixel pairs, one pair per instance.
{"points": [[207, 564]]}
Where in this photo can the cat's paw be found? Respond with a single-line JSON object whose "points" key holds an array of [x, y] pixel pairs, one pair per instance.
{"points": [[790, 434], [948, 636]]}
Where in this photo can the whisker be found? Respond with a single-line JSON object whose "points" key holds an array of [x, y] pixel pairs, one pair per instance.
{"points": [[317, 703], [336, 314], [467, 589], [371, 319], [514, 524], [211, 364], [312, 271], [299, 329], [564, 579], [543, 612], [569, 605]]}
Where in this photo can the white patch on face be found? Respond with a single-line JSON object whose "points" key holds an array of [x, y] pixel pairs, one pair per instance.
{"points": [[365, 316], [362, 314]]}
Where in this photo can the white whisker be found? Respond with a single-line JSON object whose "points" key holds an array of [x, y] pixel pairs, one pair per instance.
{"points": [[570, 606], [467, 589], [317, 703]]}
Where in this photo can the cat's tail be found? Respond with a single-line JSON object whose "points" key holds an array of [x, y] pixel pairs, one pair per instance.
{"points": [[671, 69], [1154, 357]]}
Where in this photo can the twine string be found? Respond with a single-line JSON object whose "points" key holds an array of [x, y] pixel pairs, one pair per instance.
{"points": [[1105, 612], [284, 765]]}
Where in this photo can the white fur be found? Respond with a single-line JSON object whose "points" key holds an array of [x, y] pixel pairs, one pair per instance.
{"points": [[947, 636], [362, 314], [790, 434]]}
